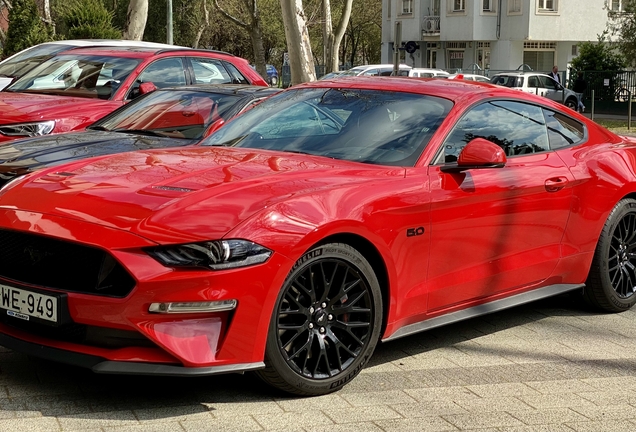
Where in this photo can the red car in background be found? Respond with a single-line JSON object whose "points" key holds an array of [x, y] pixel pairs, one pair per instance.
{"points": [[75, 88], [331, 216]]}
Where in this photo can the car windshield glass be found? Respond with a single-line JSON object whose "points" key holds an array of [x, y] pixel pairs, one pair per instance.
{"points": [[26, 60], [175, 113], [378, 127], [77, 75]]}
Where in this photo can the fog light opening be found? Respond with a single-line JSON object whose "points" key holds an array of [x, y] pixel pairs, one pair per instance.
{"points": [[193, 307]]}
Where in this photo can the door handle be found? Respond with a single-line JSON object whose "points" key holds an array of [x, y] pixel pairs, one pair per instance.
{"points": [[555, 184]]}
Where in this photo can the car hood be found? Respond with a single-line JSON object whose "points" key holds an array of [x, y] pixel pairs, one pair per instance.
{"points": [[186, 194], [28, 154], [21, 107]]}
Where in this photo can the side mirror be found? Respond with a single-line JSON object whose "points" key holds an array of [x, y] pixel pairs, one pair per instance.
{"points": [[147, 87], [479, 153]]}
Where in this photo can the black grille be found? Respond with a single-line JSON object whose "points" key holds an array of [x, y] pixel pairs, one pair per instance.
{"points": [[82, 334], [39, 260]]}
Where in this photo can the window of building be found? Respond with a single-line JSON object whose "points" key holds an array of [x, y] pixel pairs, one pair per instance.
{"points": [[388, 9], [617, 5], [459, 5], [407, 7], [514, 6], [488, 6], [547, 5]]}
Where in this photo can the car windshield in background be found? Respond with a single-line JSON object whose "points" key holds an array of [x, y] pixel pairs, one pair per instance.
{"points": [[90, 75], [28, 59], [173, 113], [378, 127]]}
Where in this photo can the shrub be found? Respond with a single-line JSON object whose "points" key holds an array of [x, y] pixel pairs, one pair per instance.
{"points": [[25, 27]]}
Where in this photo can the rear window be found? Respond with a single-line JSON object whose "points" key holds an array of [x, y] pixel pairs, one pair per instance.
{"points": [[507, 80]]}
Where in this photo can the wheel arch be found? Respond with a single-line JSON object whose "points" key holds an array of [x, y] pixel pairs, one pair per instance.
{"points": [[371, 254]]}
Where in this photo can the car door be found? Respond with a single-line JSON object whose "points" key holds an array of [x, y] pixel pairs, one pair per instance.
{"points": [[551, 89], [494, 230]]}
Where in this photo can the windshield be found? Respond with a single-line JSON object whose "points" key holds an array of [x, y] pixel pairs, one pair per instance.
{"points": [[371, 126], [175, 113], [26, 60], [77, 75]]}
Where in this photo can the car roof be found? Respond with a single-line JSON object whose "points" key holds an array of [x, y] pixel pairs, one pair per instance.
{"points": [[237, 89], [448, 89], [515, 73], [137, 51], [372, 66]]}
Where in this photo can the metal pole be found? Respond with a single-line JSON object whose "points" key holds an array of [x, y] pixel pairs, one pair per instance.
{"points": [[397, 37], [592, 111], [169, 23], [629, 110]]}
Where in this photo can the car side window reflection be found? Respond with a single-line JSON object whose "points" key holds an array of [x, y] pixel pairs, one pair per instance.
{"points": [[562, 130], [516, 127]]}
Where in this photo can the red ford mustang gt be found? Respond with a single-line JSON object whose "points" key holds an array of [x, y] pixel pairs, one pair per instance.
{"points": [[331, 216]]}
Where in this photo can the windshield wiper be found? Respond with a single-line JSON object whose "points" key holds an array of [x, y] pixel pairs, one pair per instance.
{"points": [[98, 128]]}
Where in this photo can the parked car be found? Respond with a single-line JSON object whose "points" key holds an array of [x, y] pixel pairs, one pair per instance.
{"points": [[171, 117], [539, 84], [331, 75], [272, 75], [428, 73], [75, 88], [331, 216], [377, 70], [20, 63], [470, 77]]}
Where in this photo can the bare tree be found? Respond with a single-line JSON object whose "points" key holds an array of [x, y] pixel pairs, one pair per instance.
{"points": [[205, 23], [332, 40], [301, 59], [253, 26], [136, 19]]}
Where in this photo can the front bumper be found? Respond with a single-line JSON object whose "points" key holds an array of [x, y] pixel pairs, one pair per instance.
{"points": [[153, 343], [102, 365]]}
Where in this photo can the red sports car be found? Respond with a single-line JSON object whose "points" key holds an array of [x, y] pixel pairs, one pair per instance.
{"points": [[329, 217], [74, 88]]}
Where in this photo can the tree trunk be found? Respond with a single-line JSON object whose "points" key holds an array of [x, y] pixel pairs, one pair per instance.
{"points": [[136, 19], [339, 34], [301, 59], [259, 50], [205, 24], [327, 36]]}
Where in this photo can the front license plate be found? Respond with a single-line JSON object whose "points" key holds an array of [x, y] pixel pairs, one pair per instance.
{"points": [[23, 304]]}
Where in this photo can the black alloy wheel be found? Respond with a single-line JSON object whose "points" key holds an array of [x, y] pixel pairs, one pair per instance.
{"points": [[611, 284], [326, 322]]}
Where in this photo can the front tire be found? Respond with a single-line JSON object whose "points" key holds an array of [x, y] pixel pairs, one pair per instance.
{"points": [[611, 284], [572, 104], [326, 322]]}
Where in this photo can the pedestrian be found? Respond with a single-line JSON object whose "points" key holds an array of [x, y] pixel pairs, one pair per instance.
{"points": [[579, 88], [555, 74]]}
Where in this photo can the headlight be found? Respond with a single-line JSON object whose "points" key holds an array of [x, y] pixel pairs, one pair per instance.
{"points": [[28, 129], [216, 255]]}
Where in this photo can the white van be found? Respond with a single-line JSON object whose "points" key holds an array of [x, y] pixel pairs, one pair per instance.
{"points": [[428, 73]]}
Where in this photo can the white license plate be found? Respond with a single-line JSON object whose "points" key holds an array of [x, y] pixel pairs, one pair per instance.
{"points": [[23, 304]]}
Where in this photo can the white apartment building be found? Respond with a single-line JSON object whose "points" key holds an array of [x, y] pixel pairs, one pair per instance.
{"points": [[493, 34]]}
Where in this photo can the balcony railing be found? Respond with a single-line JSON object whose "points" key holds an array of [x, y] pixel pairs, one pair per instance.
{"points": [[430, 26]]}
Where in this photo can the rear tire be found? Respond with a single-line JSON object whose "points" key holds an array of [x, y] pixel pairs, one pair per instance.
{"points": [[325, 324], [611, 284]]}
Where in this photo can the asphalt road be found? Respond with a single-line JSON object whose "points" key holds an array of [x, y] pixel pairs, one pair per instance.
{"points": [[553, 365]]}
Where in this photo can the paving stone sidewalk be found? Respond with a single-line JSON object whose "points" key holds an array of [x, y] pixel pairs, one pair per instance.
{"points": [[550, 366]]}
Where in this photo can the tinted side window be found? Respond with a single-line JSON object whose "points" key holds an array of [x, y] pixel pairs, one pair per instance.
{"points": [[562, 130], [164, 73], [238, 77], [209, 71], [549, 83], [516, 127]]}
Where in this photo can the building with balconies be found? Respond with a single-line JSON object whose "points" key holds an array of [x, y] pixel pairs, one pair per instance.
{"points": [[493, 34]]}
